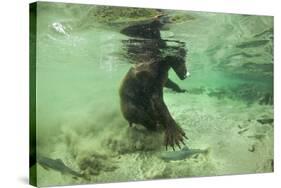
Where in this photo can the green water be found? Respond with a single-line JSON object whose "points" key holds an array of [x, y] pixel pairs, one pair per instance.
{"points": [[80, 67]]}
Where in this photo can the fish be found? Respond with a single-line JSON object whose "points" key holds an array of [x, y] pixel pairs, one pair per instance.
{"points": [[267, 67], [182, 154], [254, 43], [57, 165], [244, 55], [266, 32], [265, 121]]}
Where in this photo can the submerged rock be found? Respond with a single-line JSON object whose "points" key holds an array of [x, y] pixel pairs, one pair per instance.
{"points": [[117, 18], [95, 163], [181, 18], [135, 139], [111, 14]]}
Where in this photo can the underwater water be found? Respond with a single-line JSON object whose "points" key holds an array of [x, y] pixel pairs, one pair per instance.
{"points": [[227, 111]]}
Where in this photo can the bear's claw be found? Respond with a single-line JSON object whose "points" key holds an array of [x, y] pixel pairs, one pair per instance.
{"points": [[174, 135]]}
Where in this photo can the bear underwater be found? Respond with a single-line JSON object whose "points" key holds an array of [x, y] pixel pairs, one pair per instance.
{"points": [[141, 91]]}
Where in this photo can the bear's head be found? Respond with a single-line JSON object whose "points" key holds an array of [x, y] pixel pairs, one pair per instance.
{"points": [[177, 62], [179, 66]]}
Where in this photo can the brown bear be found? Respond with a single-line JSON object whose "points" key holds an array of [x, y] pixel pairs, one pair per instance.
{"points": [[141, 96]]}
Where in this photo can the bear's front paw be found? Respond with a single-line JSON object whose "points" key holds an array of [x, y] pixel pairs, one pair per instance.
{"points": [[174, 135]]}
